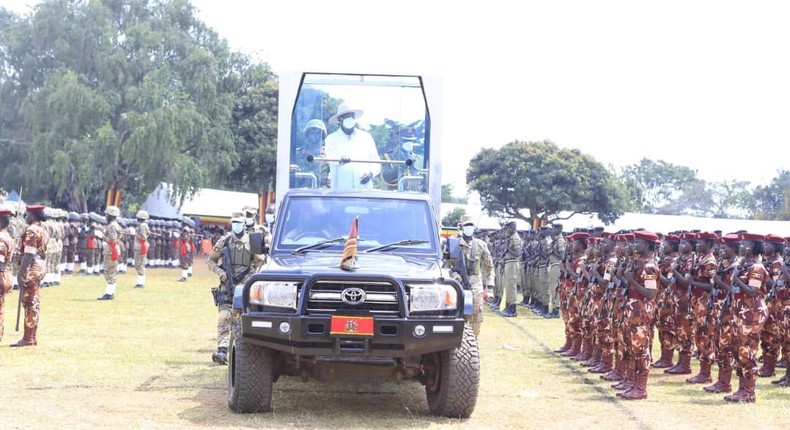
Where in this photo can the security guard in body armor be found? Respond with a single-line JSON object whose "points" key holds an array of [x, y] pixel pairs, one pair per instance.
{"points": [[243, 263], [479, 268]]}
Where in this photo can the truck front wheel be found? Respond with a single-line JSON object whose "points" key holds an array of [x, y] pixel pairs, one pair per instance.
{"points": [[250, 375], [453, 378]]}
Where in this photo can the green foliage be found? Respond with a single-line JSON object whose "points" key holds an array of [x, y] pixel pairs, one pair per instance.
{"points": [[127, 94], [449, 197], [652, 184], [772, 201], [546, 180], [453, 218], [726, 199]]}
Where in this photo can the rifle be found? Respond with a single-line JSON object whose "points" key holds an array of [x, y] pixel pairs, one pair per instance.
{"points": [[217, 293], [713, 293], [690, 287]]}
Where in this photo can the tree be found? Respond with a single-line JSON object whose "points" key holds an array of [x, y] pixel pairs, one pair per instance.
{"points": [[651, 185], [125, 94], [546, 180], [448, 197], [453, 218], [772, 201], [725, 199]]}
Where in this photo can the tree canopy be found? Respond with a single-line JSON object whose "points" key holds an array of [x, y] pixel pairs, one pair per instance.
{"points": [[125, 94], [546, 180]]}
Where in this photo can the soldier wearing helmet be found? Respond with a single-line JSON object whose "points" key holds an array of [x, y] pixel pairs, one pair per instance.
{"points": [[141, 246], [112, 250], [304, 173]]}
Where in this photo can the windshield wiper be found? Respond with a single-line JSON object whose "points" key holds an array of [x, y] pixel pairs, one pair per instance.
{"points": [[319, 244], [397, 244]]}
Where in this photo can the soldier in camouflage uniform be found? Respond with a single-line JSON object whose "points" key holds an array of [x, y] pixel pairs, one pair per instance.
{"points": [[750, 288], [542, 282], [6, 251], [16, 227], [243, 263], [479, 267], [50, 225], [558, 248], [512, 269], [642, 287], [306, 174], [771, 337], [702, 287], [32, 248], [112, 237], [70, 241], [141, 247]]}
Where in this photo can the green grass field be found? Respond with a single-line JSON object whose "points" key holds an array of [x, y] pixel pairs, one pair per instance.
{"points": [[143, 361]]}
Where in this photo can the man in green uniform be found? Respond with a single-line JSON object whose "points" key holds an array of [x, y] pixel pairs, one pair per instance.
{"points": [[512, 269], [111, 251], [479, 268]]}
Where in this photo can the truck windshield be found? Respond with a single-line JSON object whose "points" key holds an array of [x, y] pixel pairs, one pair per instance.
{"points": [[310, 220], [344, 129]]}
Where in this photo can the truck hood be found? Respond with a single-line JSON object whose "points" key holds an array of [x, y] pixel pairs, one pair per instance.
{"points": [[399, 266]]}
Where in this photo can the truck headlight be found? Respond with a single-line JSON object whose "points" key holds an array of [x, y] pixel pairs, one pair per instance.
{"points": [[432, 297], [279, 294]]}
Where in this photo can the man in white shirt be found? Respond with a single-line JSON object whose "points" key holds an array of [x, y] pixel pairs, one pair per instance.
{"points": [[347, 143]]}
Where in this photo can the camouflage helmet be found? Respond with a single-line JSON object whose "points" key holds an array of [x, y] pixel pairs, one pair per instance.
{"points": [[112, 211], [316, 123], [141, 214]]}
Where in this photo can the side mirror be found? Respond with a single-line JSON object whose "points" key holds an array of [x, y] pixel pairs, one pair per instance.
{"points": [[453, 248], [257, 243]]}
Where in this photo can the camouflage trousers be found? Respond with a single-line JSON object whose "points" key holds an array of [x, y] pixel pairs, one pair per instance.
{"points": [[224, 325], [30, 282], [771, 337], [110, 269], [681, 319], [603, 324], [139, 262], [575, 311], [509, 281], [637, 335], [703, 328], [477, 303], [665, 322], [183, 261], [786, 328], [619, 323], [563, 291], [726, 340], [750, 315], [2, 313], [71, 251]]}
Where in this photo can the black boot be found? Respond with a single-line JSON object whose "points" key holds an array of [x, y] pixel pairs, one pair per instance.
{"points": [[496, 303], [221, 356], [555, 313], [510, 311]]}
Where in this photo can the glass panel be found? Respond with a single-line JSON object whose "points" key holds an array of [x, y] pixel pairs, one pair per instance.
{"points": [[389, 121], [312, 219]]}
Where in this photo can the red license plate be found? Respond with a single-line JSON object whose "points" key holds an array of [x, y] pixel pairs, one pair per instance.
{"points": [[351, 326]]}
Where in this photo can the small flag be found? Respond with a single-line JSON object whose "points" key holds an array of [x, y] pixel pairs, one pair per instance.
{"points": [[349, 259]]}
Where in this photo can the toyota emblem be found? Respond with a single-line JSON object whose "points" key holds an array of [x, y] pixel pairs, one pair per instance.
{"points": [[353, 296]]}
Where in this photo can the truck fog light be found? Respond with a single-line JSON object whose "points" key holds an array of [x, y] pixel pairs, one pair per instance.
{"points": [[285, 327], [419, 330]]}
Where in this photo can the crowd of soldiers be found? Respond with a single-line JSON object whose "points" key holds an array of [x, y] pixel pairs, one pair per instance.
{"points": [[720, 298]]}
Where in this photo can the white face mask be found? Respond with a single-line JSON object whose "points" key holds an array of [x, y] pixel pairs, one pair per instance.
{"points": [[269, 218], [349, 123], [250, 221], [468, 230], [407, 146], [237, 227]]}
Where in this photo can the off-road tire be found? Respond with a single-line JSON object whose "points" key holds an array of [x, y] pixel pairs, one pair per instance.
{"points": [[250, 375], [454, 393]]}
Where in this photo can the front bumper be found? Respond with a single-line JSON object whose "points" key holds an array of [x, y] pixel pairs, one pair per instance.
{"points": [[392, 337]]}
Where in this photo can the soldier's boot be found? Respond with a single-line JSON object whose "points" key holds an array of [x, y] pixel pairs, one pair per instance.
{"points": [[595, 360], [221, 356], [723, 383], [496, 303], [769, 366], [683, 366], [703, 377], [510, 311], [667, 354], [524, 301], [745, 391], [782, 363], [576, 343], [555, 313], [783, 381], [630, 377], [617, 373], [28, 338], [565, 347], [606, 364], [639, 390], [586, 352]]}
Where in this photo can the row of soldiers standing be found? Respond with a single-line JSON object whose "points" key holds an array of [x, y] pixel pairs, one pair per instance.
{"points": [[724, 295]]}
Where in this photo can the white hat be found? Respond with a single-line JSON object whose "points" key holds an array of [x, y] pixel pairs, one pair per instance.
{"points": [[343, 109]]}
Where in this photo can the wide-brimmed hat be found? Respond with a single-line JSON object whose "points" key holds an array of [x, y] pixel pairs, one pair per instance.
{"points": [[345, 108], [467, 219]]}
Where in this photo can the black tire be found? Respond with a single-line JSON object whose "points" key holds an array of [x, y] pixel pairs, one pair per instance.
{"points": [[250, 375], [454, 378]]}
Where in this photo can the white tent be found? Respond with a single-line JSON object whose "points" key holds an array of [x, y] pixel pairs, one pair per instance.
{"points": [[206, 203]]}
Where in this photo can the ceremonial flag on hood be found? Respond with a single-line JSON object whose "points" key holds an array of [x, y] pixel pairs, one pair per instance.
{"points": [[349, 259]]}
